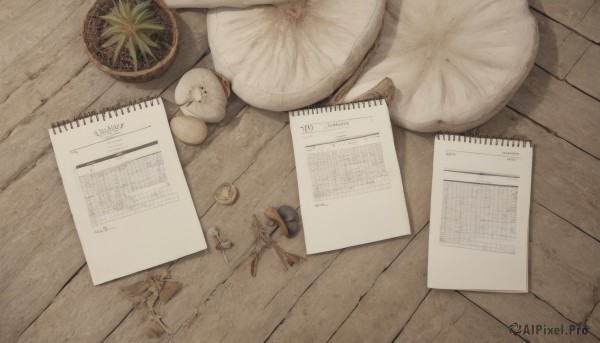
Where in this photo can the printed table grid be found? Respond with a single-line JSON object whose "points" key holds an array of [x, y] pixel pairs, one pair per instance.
{"points": [[132, 187], [349, 171], [479, 216]]}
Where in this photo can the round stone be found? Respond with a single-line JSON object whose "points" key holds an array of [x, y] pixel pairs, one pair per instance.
{"points": [[188, 129], [292, 228], [287, 213]]}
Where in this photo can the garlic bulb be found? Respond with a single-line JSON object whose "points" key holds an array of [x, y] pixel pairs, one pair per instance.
{"points": [[291, 55], [218, 3], [199, 93], [454, 63]]}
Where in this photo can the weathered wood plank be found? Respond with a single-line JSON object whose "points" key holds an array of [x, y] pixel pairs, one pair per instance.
{"points": [[57, 247], [526, 309], [590, 25], [560, 48], [582, 16], [446, 316], [565, 179], [593, 321], [391, 301], [31, 138], [560, 107], [40, 248], [39, 21], [252, 130], [83, 311], [563, 265], [33, 209], [35, 92], [204, 267], [241, 308], [586, 73], [13, 8], [63, 49], [326, 304], [563, 273]]}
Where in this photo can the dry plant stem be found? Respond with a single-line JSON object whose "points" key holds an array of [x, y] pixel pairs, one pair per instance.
{"points": [[385, 89], [225, 83], [262, 239], [148, 291], [214, 232], [224, 255]]}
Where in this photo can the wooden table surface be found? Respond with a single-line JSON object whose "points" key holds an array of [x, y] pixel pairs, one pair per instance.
{"points": [[372, 293]]}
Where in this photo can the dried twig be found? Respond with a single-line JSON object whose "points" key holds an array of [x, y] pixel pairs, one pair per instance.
{"points": [[261, 240], [151, 289], [221, 245]]}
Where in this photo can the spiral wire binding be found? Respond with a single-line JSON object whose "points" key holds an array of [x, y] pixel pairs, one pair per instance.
{"points": [[515, 141], [335, 108], [104, 114]]}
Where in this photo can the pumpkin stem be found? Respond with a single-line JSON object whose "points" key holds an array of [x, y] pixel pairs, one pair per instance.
{"points": [[294, 10]]}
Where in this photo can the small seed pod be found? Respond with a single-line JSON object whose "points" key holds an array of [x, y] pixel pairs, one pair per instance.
{"points": [[226, 193]]}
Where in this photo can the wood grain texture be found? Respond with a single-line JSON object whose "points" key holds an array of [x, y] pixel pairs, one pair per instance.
{"points": [[31, 138], [458, 320], [38, 22], [593, 321], [561, 108], [565, 179], [582, 16], [586, 73], [375, 292], [525, 309], [559, 47], [391, 301], [562, 266], [84, 327], [324, 307], [13, 8]]}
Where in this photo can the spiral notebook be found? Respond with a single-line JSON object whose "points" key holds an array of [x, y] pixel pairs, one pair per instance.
{"points": [[479, 222], [126, 189], [348, 175]]}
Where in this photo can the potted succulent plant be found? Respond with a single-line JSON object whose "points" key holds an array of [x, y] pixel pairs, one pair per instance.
{"points": [[131, 40]]}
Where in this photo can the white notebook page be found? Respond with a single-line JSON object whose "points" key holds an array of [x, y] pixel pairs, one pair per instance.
{"points": [[479, 214], [126, 189], [348, 176]]}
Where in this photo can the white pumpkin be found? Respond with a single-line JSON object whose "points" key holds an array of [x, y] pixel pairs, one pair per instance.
{"points": [[454, 63], [292, 55], [218, 3]]}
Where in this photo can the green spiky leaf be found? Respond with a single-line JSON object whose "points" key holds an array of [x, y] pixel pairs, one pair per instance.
{"points": [[130, 24]]}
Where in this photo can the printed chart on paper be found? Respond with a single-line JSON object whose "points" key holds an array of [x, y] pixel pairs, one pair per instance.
{"points": [[125, 183], [347, 167], [479, 216]]}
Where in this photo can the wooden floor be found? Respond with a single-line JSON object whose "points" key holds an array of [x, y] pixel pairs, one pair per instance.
{"points": [[373, 293]]}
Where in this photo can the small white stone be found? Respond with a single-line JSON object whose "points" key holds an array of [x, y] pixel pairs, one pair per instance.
{"points": [[188, 129]]}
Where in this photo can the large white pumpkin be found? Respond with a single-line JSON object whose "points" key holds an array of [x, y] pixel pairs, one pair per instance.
{"points": [[283, 57], [455, 63], [218, 3]]}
